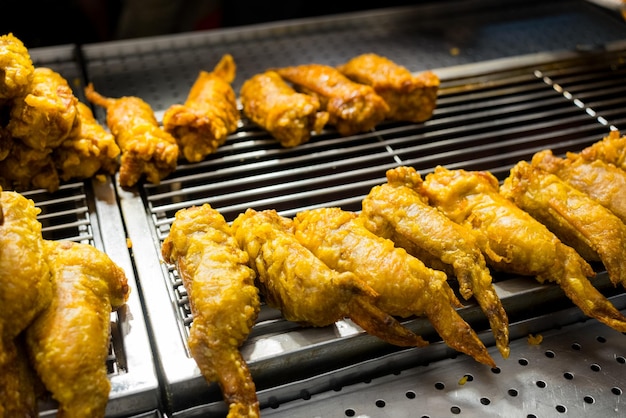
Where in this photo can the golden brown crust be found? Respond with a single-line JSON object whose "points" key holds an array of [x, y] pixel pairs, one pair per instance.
{"points": [[410, 97], [274, 105], [209, 114], [353, 107]]}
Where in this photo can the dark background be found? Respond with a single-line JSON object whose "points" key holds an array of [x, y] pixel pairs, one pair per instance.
{"points": [[44, 23]]}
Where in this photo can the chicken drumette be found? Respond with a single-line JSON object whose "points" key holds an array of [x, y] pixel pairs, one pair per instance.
{"points": [[396, 210], [223, 300], [16, 68], [405, 285], [515, 242]]}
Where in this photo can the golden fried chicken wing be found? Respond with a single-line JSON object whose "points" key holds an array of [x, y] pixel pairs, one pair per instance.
{"points": [[209, 114], [602, 181], [275, 106], [305, 289], [90, 151], [45, 115], [16, 68], [406, 286], [515, 242], [352, 107], [223, 300], [24, 273], [410, 97], [27, 168], [146, 149], [610, 149], [68, 342], [577, 219], [397, 211]]}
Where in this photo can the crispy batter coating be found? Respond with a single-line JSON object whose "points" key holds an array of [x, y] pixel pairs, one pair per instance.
{"points": [[90, 151], [406, 286], [26, 168], [304, 288], [26, 291], [576, 218], [397, 211], [602, 181], [223, 300], [24, 273], [16, 68], [515, 242], [147, 150], [69, 342], [352, 107], [209, 114], [45, 115], [610, 149], [410, 97], [274, 105]]}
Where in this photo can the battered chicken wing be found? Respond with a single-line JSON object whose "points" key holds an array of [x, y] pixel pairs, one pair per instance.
{"points": [[68, 342], [406, 286], [352, 107], [45, 115], [223, 300], [305, 289], [91, 151], [610, 149], [24, 273], [602, 181], [16, 68], [577, 219], [515, 242], [209, 114], [274, 105], [147, 150], [398, 211], [410, 97]]}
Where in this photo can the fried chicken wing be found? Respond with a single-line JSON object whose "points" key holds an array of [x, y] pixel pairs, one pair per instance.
{"points": [[600, 180], [24, 273], [223, 300], [515, 242], [406, 286], [275, 106], [68, 342], [577, 219], [305, 289], [410, 97], [209, 114], [146, 149], [45, 115], [16, 68], [352, 107], [610, 149], [90, 151], [397, 211]]}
